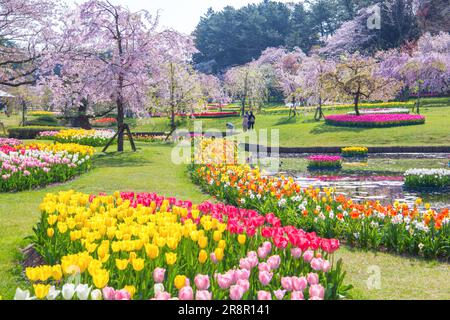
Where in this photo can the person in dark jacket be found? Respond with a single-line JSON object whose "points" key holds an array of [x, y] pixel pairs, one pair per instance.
{"points": [[251, 121]]}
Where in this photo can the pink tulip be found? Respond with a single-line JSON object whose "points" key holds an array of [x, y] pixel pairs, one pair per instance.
{"points": [[242, 274], [279, 294], [158, 275], [265, 277], [122, 295], [316, 264], [186, 293], [109, 293], [312, 278], [268, 246], [252, 254], [274, 262], [201, 282], [308, 255], [317, 291], [262, 252], [245, 284], [286, 283], [162, 296], [297, 295], [296, 253], [213, 257], [263, 266], [326, 266], [299, 283], [236, 292], [203, 295], [224, 280], [264, 295], [244, 263]]}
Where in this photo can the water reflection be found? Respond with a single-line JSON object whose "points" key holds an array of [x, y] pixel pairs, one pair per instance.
{"points": [[386, 189]]}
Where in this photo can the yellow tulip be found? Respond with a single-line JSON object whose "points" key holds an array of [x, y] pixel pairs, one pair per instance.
{"points": [[202, 256], [217, 235], [138, 264], [50, 232], [180, 282], [101, 278], [203, 242], [121, 264], [222, 244], [172, 243], [171, 258], [242, 238], [131, 290], [151, 250], [41, 290], [219, 254]]}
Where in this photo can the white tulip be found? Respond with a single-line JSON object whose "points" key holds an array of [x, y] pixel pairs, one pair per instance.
{"points": [[23, 295], [158, 287], [83, 291], [68, 290], [53, 293], [96, 294]]}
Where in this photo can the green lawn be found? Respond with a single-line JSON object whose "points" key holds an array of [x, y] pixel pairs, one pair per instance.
{"points": [[303, 131], [150, 169]]}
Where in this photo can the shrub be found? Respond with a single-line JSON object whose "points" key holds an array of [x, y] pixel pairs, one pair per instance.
{"points": [[29, 132], [427, 178]]}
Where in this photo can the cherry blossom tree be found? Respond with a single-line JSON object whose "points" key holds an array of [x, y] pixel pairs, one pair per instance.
{"points": [[177, 91], [422, 68], [213, 89], [358, 77], [312, 82], [25, 30], [109, 53], [246, 83]]}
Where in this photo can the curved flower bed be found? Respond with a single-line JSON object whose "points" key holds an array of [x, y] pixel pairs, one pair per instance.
{"points": [[31, 166], [324, 162], [427, 178], [93, 138], [382, 111], [105, 122], [354, 152], [145, 246], [210, 114], [374, 120], [416, 230]]}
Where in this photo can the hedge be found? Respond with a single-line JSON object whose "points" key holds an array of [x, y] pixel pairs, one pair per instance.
{"points": [[30, 132]]}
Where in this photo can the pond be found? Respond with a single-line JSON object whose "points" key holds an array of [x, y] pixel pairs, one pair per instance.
{"points": [[378, 177]]}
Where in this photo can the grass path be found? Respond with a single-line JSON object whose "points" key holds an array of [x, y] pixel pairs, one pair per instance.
{"points": [[150, 169]]}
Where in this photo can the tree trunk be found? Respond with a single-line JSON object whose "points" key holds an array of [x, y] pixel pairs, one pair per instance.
{"points": [[120, 122], [243, 106], [356, 104], [82, 119]]}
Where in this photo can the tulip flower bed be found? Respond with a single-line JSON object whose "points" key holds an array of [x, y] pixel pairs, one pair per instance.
{"points": [[416, 230], [144, 246], [323, 162], [10, 142], [382, 111], [105, 122], [374, 120], [26, 167], [354, 152], [93, 138], [427, 178], [222, 114]]}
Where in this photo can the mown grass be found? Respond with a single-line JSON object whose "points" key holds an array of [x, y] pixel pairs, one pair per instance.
{"points": [[150, 169], [303, 131]]}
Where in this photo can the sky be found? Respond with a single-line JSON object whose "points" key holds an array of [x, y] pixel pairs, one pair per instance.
{"points": [[181, 15]]}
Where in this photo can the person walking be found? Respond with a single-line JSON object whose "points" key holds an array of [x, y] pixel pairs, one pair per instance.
{"points": [[245, 122], [251, 121]]}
